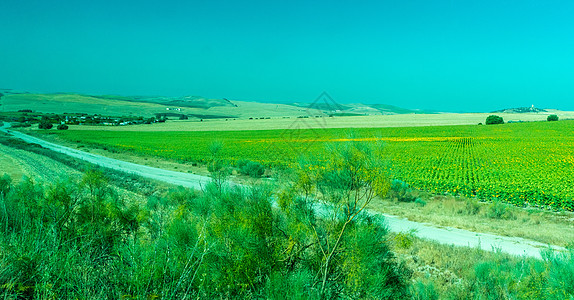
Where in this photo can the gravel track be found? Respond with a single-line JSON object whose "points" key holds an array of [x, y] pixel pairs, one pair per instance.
{"points": [[444, 235]]}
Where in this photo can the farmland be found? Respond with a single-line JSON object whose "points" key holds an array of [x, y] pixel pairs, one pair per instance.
{"points": [[522, 163]]}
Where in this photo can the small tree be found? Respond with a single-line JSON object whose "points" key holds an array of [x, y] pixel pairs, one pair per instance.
{"points": [[45, 124], [217, 166], [346, 180], [494, 119], [552, 118], [62, 127]]}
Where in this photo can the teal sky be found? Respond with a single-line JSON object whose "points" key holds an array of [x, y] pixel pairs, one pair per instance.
{"points": [[443, 55]]}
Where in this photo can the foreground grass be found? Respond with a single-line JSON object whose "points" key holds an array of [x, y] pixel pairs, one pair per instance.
{"points": [[449, 272], [232, 244]]}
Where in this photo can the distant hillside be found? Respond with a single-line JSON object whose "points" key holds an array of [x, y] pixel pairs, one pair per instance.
{"points": [[521, 110], [185, 101], [190, 106], [358, 108]]}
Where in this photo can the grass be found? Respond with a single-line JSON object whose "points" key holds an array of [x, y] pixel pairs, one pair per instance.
{"points": [[73, 103], [290, 121], [448, 272], [523, 164], [555, 228], [11, 165], [444, 210], [435, 271]]}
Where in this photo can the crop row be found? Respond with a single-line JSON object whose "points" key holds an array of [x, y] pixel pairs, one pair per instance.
{"points": [[523, 164]]}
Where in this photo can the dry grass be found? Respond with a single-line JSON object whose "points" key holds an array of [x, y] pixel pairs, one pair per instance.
{"points": [[11, 166], [544, 226], [405, 120]]}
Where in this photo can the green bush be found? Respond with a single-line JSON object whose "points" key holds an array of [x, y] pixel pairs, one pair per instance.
{"points": [[251, 168], [494, 119], [44, 124], [401, 191], [499, 210], [221, 243], [62, 127], [552, 118]]}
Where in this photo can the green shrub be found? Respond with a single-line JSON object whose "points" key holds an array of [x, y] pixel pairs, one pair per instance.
{"points": [[62, 127], [499, 210], [251, 168], [420, 202], [552, 118], [44, 124], [471, 206], [404, 240], [221, 243], [401, 191], [494, 119], [424, 291]]}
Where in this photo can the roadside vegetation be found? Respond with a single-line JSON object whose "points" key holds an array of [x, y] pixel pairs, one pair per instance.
{"points": [[79, 238]]}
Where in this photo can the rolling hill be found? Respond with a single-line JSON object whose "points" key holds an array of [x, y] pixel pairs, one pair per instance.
{"points": [[192, 106]]}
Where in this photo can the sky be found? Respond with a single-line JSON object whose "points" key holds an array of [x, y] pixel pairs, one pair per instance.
{"points": [[473, 55]]}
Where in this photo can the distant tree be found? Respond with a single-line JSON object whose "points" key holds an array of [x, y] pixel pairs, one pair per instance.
{"points": [[62, 127], [183, 117], [494, 119], [552, 118], [45, 123]]}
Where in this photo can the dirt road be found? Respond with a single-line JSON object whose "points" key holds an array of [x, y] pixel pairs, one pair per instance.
{"points": [[446, 235]]}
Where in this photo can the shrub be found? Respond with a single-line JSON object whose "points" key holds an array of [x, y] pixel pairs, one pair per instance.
{"points": [[44, 124], [499, 210], [404, 240], [401, 191], [251, 168], [19, 125], [62, 127], [494, 119], [552, 118]]}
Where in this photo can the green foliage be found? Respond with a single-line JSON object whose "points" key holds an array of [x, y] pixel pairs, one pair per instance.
{"points": [[552, 118], [420, 202], [499, 210], [45, 124], [5, 184], [494, 119], [251, 168], [483, 162], [401, 191], [404, 240], [62, 127], [218, 166], [82, 240], [424, 291]]}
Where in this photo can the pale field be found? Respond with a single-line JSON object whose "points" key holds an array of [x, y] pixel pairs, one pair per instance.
{"points": [[11, 166], [402, 120], [18, 163]]}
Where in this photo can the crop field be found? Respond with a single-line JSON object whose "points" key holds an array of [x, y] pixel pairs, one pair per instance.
{"points": [[522, 163]]}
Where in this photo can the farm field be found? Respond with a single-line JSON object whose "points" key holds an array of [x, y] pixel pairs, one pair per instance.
{"points": [[379, 121], [522, 163]]}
